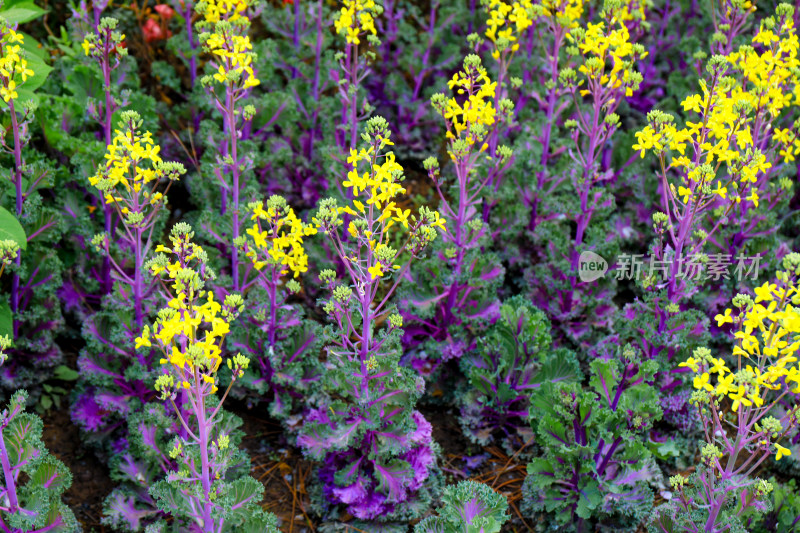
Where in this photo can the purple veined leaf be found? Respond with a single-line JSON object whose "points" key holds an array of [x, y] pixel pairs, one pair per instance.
{"points": [[87, 413], [353, 493], [393, 479], [121, 509], [324, 439]]}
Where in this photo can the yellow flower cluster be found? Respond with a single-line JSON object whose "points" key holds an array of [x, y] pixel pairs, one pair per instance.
{"points": [[190, 330], [132, 161], [14, 69], [470, 114], [277, 236], [374, 208], [768, 340], [771, 76], [235, 65], [217, 10], [507, 20], [566, 12], [746, 92], [355, 19], [608, 42], [721, 135]]}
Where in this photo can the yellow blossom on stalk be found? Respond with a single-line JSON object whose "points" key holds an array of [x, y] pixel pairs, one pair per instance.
{"points": [[191, 329], [233, 56], [277, 236], [14, 69], [355, 19], [507, 21], [470, 115], [216, 10], [375, 216], [567, 12], [767, 344], [133, 162], [771, 74], [736, 110], [608, 41]]}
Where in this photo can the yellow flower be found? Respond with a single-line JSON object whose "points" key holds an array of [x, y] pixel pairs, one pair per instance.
{"points": [[724, 319], [781, 451], [375, 270], [701, 382]]}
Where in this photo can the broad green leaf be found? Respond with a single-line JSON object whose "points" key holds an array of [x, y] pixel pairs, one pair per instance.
{"points": [[40, 72], [22, 12], [32, 46], [10, 228]]}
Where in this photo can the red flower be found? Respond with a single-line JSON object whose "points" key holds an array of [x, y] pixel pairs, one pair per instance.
{"points": [[165, 11], [154, 32]]}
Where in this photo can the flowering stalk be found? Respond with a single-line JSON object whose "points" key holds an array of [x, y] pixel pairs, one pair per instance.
{"points": [[738, 108], [368, 397], [131, 188], [739, 429], [554, 22], [232, 61], [274, 246], [105, 48], [14, 72], [190, 333], [458, 295], [115, 369], [606, 76], [354, 21], [507, 22]]}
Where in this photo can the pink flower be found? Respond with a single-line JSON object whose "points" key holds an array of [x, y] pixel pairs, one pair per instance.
{"points": [[165, 11], [153, 31]]}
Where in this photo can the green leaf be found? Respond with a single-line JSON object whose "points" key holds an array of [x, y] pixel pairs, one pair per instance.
{"points": [[46, 402], [40, 72], [10, 228], [22, 12], [6, 319], [65, 373], [32, 46]]}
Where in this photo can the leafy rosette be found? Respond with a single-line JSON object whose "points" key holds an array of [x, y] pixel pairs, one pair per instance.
{"points": [[593, 464], [512, 359], [470, 507], [33, 480]]}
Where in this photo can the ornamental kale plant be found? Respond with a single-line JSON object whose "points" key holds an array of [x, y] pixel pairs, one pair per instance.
{"points": [[29, 309], [378, 458], [460, 275], [204, 493], [467, 506], [604, 74], [513, 358], [723, 489], [277, 337], [594, 465], [132, 182], [224, 35], [33, 480]]}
